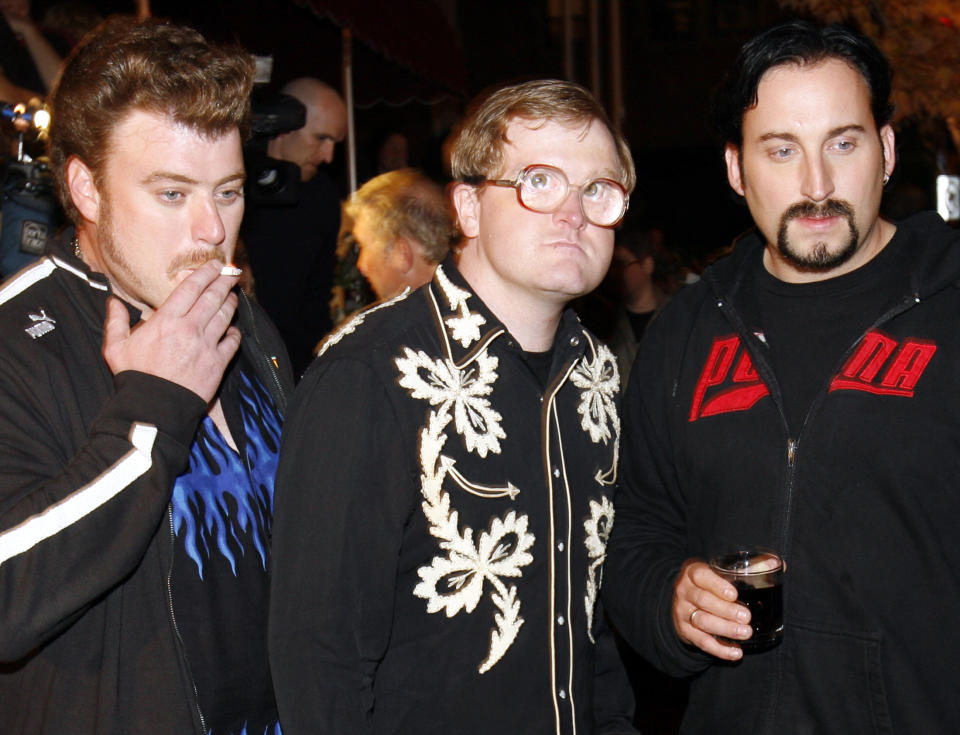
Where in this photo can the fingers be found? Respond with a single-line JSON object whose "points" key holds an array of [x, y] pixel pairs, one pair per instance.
{"points": [[704, 607], [228, 346], [715, 647], [187, 340], [220, 319], [204, 289], [116, 326]]}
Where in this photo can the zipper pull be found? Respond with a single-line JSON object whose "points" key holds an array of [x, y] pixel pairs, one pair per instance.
{"points": [[791, 451]]}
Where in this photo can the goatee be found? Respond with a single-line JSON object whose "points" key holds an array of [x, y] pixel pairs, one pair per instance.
{"points": [[819, 258]]}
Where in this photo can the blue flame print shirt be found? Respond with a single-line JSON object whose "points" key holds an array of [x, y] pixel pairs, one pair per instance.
{"points": [[222, 515]]}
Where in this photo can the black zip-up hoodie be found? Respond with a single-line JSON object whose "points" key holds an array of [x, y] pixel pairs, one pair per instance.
{"points": [[862, 501], [87, 465]]}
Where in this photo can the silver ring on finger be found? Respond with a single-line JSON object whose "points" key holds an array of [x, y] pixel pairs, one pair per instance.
{"points": [[693, 615]]}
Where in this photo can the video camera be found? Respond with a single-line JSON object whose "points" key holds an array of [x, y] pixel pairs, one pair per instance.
{"points": [[269, 180], [29, 213]]}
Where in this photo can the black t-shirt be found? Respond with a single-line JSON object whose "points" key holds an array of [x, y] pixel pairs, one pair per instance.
{"points": [[222, 518], [539, 363], [810, 327]]}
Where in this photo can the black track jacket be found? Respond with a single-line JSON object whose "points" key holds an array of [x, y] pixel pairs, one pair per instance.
{"points": [[87, 465]]}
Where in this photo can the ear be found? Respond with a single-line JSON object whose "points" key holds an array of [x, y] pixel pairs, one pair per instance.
{"points": [[647, 264], [731, 154], [466, 201], [83, 190], [401, 255], [275, 146], [889, 143]]}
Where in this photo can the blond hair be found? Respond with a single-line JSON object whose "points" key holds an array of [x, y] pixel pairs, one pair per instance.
{"points": [[405, 203]]}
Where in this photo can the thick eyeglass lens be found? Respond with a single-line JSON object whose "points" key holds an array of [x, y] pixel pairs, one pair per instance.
{"points": [[544, 189]]}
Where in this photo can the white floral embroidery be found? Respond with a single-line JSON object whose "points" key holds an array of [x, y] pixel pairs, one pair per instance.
{"points": [[599, 383], [457, 297], [455, 581], [598, 527], [465, 329], [465, 326], [444, 385], [355, 321]]}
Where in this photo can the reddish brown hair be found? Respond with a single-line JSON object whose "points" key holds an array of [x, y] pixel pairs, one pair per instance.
{"points": [[475, 148], [125, 65]]}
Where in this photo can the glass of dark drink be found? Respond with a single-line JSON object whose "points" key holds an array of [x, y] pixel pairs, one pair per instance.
{"points": [[758, 576]]}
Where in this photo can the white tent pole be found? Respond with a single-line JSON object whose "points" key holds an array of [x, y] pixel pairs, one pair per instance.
{"points": [[347, 62]]}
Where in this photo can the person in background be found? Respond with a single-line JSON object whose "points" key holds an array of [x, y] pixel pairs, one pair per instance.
{"points": [[292, 247], [141, 400], [438, 554], [802, 397], [619, 311], [403, 227]]}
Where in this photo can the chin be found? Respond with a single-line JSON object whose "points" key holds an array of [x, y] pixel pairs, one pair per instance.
{"points": [[570, 288]]}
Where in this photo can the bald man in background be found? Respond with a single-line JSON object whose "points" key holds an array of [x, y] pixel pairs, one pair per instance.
{"points": [[292, 246]]}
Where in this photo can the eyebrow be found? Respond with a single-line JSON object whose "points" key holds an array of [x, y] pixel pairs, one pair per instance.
{"points": [[831, 134], [159, 176]]}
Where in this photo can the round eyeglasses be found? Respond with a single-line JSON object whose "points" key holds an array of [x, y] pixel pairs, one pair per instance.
{"points": [[543, 188]]}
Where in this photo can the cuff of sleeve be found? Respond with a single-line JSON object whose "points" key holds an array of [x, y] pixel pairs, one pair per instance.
{"points": [[677, 657], [144, 398]]}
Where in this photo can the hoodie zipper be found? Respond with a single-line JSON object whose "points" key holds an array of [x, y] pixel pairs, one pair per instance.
{"points": [[176, 628], [793, 444]]}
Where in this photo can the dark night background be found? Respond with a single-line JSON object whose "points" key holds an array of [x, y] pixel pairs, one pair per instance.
{"points": [[417, 63]]}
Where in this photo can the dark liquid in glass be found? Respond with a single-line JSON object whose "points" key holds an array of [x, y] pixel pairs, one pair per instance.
{"points": [[766, 615]]}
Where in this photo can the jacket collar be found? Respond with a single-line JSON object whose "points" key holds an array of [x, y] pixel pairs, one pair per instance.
{"points": [[467, 327]]}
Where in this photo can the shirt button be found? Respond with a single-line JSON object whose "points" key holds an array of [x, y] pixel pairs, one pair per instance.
{"points": [[556, 472], [562, 693], [560, 547], [574, 341], [560, 620]]}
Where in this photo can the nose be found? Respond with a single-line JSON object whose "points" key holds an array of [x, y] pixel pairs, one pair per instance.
{"points": [[817, 184], [326, 151], [571, 211], [207, 224]]}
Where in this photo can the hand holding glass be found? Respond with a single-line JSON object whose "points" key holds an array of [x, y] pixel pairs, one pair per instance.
{"points": [[758, 576]]}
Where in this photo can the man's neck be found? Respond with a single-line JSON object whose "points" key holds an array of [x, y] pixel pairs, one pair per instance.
{"points": [[645, 301], [532, 320]]}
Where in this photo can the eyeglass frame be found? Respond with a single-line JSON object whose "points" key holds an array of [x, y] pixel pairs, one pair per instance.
{"points": [[518, 181]]}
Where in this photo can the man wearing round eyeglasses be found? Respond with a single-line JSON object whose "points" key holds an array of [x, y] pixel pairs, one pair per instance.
{"points": [[437, 557]]}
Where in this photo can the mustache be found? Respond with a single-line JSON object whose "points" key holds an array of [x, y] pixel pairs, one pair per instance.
{"points": [[193, 259], [829, 208]]}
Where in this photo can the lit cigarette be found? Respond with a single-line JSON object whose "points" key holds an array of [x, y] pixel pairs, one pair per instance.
{"points": [[230, 270]]}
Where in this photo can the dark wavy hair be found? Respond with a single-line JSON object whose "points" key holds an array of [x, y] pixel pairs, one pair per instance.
{"points": [[801, 43], [124, 65]]}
